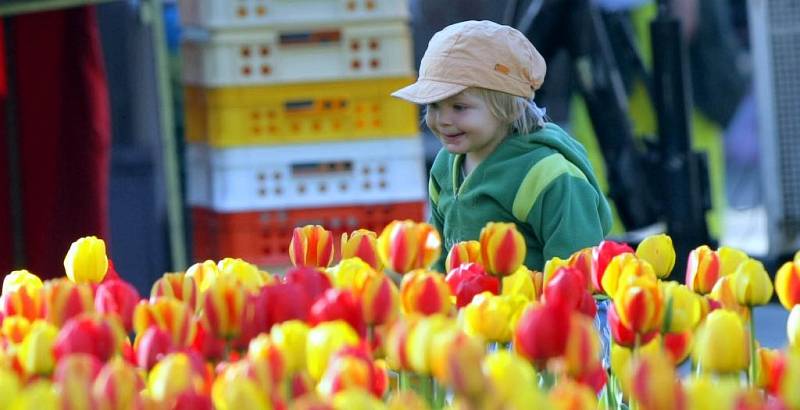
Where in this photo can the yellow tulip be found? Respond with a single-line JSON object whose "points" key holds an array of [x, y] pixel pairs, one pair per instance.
{"points": [[362, 244], [235, 393], [36, 351], [502, 248], [752, 284], [730, 259], [722, 328], [685, 307], [204, 273], [245, 273], [351, 273], [21, 278], [39, 395], [793, 327], [659, 252], [490, 316], [787, 284], [356, 399], [86, 260], [290, 337], [323, 341], [523, 283]]}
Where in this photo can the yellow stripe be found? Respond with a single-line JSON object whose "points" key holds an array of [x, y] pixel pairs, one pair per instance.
{"points": [[433, 192], [538, 178]]}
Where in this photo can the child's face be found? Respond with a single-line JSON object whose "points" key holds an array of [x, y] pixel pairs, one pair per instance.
{"points": [[465, 125]]}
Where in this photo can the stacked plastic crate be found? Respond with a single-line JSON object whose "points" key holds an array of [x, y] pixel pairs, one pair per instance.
{"points": [[289, 121]]}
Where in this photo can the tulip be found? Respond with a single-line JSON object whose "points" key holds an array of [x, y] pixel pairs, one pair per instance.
{"points": [[313, 281], [425, 292], [407, 245], [245, 273], [602, 254], [362, 244], [233, 393], [468, 280], [15, 328], [568, 394], [63, 299], [93, 335], [337, 304], [204, 274], [178, 286], [721, 328], [380, 300], [622, 270], [655, 383], [117, 386], [702, 269], [524, 282], [420, 340], [351, 274], [151, 346], [86, 260], [311, 245], [683, 308], [542, 333], [323, 341], [223, 305], [752, 284], [117, 297], [350, 368], [657, 250], [582, 351], [290, 338], [787, 284], [36, 351], [793, 328], [170, 315], [502, 248], [490, 316], [453, 358], [174, 374], [640, 305], [461, 253]]}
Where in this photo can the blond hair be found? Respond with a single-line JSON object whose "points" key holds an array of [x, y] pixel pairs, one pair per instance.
{"points": [[521, 115]]}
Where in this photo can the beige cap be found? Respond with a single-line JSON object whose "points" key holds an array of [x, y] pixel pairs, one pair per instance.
{"points": [[476, 54]]}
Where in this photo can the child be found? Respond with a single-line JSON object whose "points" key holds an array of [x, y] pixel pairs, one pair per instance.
{"points": [[500, 160]]}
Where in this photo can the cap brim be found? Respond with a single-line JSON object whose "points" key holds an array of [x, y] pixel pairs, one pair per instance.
{"points": [[428, 91]]}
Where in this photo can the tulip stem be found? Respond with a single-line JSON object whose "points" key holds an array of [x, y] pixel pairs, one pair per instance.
{"points": [[752, 373]]}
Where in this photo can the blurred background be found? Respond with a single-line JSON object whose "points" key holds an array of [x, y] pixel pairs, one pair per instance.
{"points": [[187, 130]]}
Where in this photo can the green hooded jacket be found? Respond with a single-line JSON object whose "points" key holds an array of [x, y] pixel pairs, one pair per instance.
{"points": [[542, 181]]}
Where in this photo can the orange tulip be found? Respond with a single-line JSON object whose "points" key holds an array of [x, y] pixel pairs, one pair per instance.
{"points": [[502, 248], [702, 270], [63, 299], [425, 292], [170, 315], [461, 253], [177, 286], [362, 244], [311, 245], [787, 284], [640, 305], [407, 245]]}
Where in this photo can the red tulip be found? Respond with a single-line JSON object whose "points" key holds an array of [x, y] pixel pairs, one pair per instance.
{"points": [[542, 334], [311, 245], [117, 297], [338, 304], [601, 256], [151, 346], [178, 286], [100, 337], [468, 280]]}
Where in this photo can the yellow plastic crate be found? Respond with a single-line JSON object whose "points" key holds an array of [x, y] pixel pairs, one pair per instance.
{"points": [[297, 113]]}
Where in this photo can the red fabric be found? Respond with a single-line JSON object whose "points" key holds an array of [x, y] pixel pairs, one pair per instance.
{"points": [[64, 137]]}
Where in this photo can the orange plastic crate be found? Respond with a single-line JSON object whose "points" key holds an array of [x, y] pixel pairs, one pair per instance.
{"points": [[263, 237]]}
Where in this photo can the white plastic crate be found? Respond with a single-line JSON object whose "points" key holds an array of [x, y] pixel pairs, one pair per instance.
{"points": [[267, 55], [217, 14], [306, 175]]}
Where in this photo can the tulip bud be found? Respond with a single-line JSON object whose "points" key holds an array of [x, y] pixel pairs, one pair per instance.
{"points": [[117, 297], [243, 272], [36, 351], [290, 338], [751, 284], [311, 245], [178, 286], [117, 386], [204, 274], [787, 284], [323, 341], [380, 300], [702, 269], [602, 254], [461, 253], [722, 328], [425, 292], [502, 248], [362, 244], [86, 260], [657, 250], [407, 245]]}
